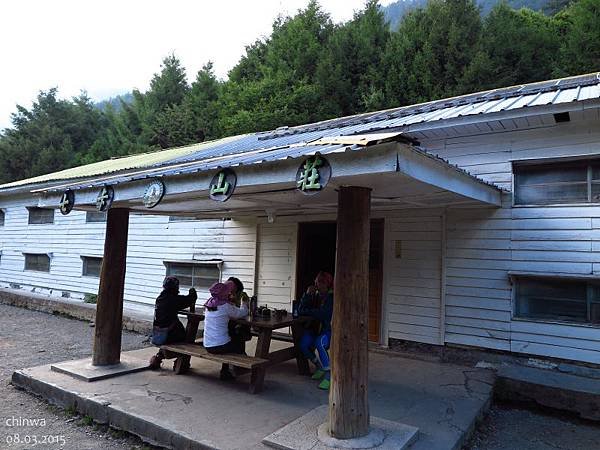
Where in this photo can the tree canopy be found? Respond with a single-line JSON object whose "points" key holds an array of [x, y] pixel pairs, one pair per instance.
{"points": [[310, 69]]}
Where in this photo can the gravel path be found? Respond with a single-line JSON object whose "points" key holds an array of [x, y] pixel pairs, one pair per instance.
{"points": [[506, 428], [30, 338]]}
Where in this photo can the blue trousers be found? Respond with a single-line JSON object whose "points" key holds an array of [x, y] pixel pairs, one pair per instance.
{"points": [[310, 341]]}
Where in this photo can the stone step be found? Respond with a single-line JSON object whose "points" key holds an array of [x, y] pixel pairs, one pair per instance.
{"points": [[549, 389]]}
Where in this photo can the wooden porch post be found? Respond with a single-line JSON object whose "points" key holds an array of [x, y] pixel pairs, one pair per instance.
{"points": [[348, 396], [109, 309]]}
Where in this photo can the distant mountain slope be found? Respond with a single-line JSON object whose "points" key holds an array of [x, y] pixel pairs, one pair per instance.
{"points": [[395, 11], [115, 102]]}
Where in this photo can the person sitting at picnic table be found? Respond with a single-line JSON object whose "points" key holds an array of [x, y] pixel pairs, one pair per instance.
{"points": [[317, 303], [166, 328], [239, 297], [217, 314]]}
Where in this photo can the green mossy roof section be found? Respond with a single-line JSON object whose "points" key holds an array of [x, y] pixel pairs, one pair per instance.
{"points": [[124, 163]]}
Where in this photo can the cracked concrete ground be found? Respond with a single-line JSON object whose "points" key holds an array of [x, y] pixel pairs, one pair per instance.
{"points": [[29, 338], [442, 400]]}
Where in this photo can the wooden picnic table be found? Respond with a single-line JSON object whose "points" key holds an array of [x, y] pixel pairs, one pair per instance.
{"points": [[265, 328], [263, 356]]}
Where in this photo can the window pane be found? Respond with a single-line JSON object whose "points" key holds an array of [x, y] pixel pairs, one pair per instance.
{"points": [[596, 171], [41, 215], [206, 271], [551, 183], [38, 262], [194, 275], [95, 216], [551, 174], [1, 218], [91, 266], [540, 195], [180, 270], [554, 300], [595, 312]]}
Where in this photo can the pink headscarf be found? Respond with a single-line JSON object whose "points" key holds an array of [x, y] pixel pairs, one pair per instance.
{"points": [[219, 294]]}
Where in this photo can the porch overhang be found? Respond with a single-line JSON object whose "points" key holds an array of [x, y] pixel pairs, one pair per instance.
{"points": [[399, 174]]}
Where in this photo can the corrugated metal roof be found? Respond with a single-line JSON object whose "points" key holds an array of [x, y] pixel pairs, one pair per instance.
{"points": [[125, 163], [292, 142]]}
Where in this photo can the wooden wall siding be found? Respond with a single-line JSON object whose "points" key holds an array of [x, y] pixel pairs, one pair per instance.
{"points": [[277, 263], [478, 292], [413, 279], [152, 239], [483, 245]]}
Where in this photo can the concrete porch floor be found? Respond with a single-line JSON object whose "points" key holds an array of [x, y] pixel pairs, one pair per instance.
{"points": [[197, 410]]}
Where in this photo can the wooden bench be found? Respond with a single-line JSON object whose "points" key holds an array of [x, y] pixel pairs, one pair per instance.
{"points": [[193, 349], [197, 350], [284, 337]]}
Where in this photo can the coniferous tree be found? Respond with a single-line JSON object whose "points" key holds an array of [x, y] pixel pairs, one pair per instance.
{"points": [[274, 84], [426, 59], [517, 46], [580, 52], [350, 72], [52, 135]]}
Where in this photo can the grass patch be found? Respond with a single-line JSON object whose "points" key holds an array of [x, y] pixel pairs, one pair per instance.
{"points": [[117, 434], [87, 420], [90, 298], [70, 411]]}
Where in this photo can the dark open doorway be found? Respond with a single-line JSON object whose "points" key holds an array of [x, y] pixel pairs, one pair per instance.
{"points": [[316, 251]]}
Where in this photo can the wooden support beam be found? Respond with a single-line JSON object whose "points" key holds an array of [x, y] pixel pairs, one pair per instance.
{"points": [[109, 310], [348, 396]]}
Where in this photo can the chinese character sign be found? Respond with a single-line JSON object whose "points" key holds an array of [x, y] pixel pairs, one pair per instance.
{"points": [[222, 185], [313, 175], [67, 202], [105, 198]]}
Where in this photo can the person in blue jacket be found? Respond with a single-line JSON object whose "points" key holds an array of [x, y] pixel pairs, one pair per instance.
{"points": [[317, 303]]}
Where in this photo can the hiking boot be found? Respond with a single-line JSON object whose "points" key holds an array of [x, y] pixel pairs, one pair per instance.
{"points": [[325, 384], [318, 374], [155, 362]]}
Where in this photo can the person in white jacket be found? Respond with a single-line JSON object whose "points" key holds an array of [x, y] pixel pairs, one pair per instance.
{"points": [[217, 312]]}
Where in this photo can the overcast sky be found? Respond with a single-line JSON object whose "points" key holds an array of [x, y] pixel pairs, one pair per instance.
{"points": [[109, 47]]}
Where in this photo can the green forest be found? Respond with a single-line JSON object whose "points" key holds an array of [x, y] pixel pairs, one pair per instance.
{"points": [[310, 69]]}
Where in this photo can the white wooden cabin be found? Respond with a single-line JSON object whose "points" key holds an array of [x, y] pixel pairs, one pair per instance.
{"points": [[505, 258]]}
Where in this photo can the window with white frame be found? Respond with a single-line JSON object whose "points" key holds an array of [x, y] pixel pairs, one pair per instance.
{"points": [[91, 266], [192, 274], [40, 215], [557, 299], [95, 216], [39, 262], [557, 183]]}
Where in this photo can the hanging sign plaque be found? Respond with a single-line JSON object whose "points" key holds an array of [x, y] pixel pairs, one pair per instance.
{"points": [[67, 202], [222, 185], [313, 175], [105, 198]]}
